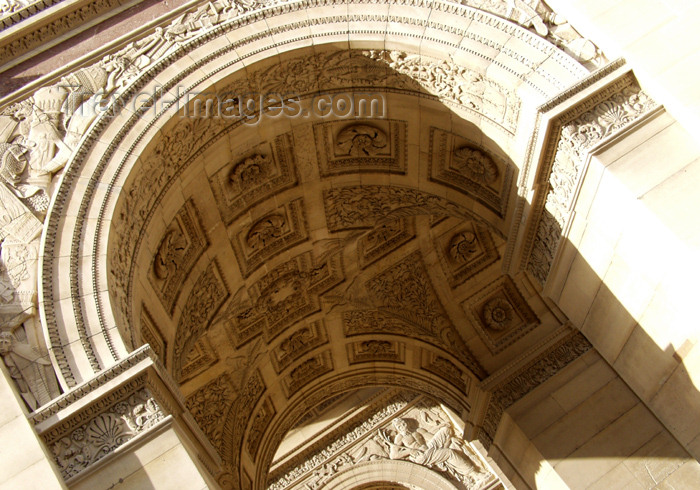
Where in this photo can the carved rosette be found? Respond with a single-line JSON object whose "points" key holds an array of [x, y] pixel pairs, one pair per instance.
{"points": [[373, 146], [269, 235], [465, 251], [300, 342], [258, 174], [460, 164], [182, 244], [500, 314]]}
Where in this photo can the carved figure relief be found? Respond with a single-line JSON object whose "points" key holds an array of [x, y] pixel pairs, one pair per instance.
{"points": [[293, 347], [384, 239], [151, 335], [376, 350], [200, 358], [308, 371], [182, 244], [376, 146], [500, 314], [268, 169], [208, 294], [405, 303], [458, 163], [285, 295], [270, 235], [465, 251]]}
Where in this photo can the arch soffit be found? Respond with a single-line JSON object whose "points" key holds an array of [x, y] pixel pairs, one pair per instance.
{"points": [[88, 190]]}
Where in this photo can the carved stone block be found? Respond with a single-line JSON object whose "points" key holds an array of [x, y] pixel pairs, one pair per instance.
{"points": [[151, 335], [303, 340], [209, 404], [206, 297], [182, 244], [306, 372], [261, 420], [500, 314], [282, 297], [254, 176], [269, 235], [465, 251], [374, 146], [458, 163], [200, 357], [376, 350], [383, 239], [445, 369]]}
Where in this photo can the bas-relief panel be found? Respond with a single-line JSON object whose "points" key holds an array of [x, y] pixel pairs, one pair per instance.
{"points": [[458, 163], [182, 244], [377, 145], [303, 340], [464, 251], [200, 358], [150, 333], [269, 235], [500, 314]]}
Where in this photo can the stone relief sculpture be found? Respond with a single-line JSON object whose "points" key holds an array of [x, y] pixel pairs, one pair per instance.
{"points": [[440, 450]]}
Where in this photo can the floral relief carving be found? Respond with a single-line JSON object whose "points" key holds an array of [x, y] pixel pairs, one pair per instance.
{"points": [[500, 314], [615, 107], [86, 444], [209, 404], [458, 163], [182, 244], [404, 302], [285, 295], [208, 294], [268, 169], [465, 251], [270, 235], [200, 357], [379, 145], [258, 425]]}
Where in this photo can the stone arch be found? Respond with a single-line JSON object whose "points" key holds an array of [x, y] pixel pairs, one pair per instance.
{"points": [[397, 473]]}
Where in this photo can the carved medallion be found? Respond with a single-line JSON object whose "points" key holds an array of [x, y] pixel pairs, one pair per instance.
{"points": [[254, 176], [182, 244], [373, 146], [500, 314], [269, 235], [465, 251], [458, 163]]}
